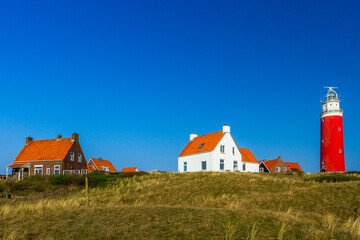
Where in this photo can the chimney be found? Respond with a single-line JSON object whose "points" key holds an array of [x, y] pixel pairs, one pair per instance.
{"points": [[75, 137], [100, 158], [226, 128], [280, 158], [59, 137], [28, 140], [192, 136]]}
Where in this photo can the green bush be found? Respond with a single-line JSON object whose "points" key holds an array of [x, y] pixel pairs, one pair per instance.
{"points": [[332, 177], [2, 187], [67, 180]]}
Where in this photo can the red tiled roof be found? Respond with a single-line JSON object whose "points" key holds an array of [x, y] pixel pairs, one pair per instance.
{"points": [[247, 155], [129, 169], [90, 168], [51, 149], [270, 164], [293, 166], [15, 165], [99, 163], [210, 141]]}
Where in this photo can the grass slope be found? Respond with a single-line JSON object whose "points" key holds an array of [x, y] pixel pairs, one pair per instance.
{"points": [[193, 206]]}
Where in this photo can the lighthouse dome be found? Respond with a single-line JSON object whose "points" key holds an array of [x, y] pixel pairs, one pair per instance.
{"points": [[331, 95]]}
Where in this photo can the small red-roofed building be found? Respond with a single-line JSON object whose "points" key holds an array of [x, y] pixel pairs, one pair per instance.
{"points": [[217, 152], [130, 169], [294, 167], [100, 165], [249, 162], [50, 157], [278, 166]]}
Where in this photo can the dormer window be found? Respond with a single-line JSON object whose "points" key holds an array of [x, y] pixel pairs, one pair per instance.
{"points": [[106, 169], [201, 145]]}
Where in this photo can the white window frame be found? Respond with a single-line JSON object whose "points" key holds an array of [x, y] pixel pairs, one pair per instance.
{"points": [[222, 164], [244, 167], [222, 148], [262, 169], [235, 163], [185, 167], [277, 169], [79, 157], [84, 171], [233, 150], [47, 171], [72, 156], [202, 169], [285, 169], [38, 166], [55, 168], [77, 171], [106, 169]]}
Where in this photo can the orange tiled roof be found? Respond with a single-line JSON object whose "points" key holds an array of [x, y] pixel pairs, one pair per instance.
{"points": [[51, 149], [99, 163], [293, 165], [129, 169], [16, 165], [210, 141], [90, 168], [247, 155], [270, 164]]}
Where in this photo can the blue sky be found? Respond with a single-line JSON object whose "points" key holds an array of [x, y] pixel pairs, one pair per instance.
{"points": [[135, 78]]}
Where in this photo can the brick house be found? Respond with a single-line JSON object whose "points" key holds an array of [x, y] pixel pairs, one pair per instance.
{"points": [[100, 165], [50, 157], [278, 166]]}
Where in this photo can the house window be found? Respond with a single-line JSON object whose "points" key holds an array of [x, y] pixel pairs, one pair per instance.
{"points": [[284, 169], [38, 169], [68, 172], [83, 171], [77, 171], [221, 164], [79, 157], [57, 170], [277, 169], [48, 171], [203, 165], [235, 165], [71, 156], [244, 167], [201, 145], [185, 166], [222, 148], [234, 150], [261, 169], [105, 169]]}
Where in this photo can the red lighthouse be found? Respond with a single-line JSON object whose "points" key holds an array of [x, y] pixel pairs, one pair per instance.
{"points": [[332, 138]]}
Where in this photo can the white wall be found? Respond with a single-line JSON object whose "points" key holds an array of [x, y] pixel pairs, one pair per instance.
{"points": [[250, 167], [194, 162]]}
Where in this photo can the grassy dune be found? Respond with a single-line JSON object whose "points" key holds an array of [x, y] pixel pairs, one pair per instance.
{"points": [[193, 206]]}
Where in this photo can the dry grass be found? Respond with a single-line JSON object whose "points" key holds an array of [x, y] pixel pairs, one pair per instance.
{"points": [[192, 206]]}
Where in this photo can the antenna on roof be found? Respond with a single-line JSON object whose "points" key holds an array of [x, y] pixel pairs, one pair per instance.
{"points": [[331, 88]]}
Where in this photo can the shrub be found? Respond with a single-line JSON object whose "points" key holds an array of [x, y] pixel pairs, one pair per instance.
{"points": [[333, 177], [2, 187], [67, 180]]}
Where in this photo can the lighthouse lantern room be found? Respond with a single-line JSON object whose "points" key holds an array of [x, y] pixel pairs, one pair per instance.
{"points": [[332, 139]]}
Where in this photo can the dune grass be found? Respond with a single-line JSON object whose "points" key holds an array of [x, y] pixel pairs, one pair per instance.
{"points": [[194, 206]]}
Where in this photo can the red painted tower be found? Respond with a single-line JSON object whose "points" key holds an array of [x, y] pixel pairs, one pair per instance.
{"points": [[332, 138]]}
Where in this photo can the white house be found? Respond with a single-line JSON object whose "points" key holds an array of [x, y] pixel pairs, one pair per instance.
{"points": [[215, 151]]}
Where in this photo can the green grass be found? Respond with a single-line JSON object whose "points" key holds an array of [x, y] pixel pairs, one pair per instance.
{"points": [[189, 206]]}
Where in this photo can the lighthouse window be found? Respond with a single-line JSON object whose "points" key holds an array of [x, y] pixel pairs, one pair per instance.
{"points": [[339, 150], [339, 129], [322, 119], [323, 140]]}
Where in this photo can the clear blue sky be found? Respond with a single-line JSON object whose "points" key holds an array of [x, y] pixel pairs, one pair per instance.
{"points": [[135, 78]]}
